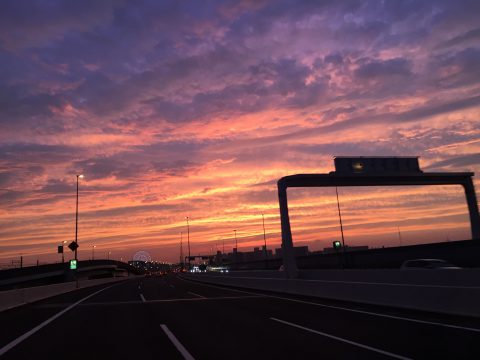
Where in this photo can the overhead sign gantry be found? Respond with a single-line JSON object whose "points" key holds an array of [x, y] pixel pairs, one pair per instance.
{"points": [[370, 171]]}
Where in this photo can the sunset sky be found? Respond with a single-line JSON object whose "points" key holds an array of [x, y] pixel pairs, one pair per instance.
{"points": [[196, 108]]}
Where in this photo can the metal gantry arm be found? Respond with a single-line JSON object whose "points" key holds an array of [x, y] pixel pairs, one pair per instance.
{"points": [[333, 180]]}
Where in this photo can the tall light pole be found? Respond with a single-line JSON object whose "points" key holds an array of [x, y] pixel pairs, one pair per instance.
{"points": [[188, 241], [181, 250], [236, 246], [265, 240], [63, 250], [93, 251], [341, 224], [80, 176]]}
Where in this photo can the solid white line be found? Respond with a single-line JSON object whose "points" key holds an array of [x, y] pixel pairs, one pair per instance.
{"points": [[205, 298], [352, 310], [359, 282], [186, 355], [143, 298], [192, 293], [383, 352], [219, 287], [157, 301], [29, 333], [377, 314]]}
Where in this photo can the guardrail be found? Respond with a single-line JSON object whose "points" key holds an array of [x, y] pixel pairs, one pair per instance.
{"points": [[13, 298], [444, 291]]}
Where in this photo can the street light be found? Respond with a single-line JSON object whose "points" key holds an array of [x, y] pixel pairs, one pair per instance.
{"points": [[265, 241], [80, 176], [63, 253], [181, 250], [93, 251], [236, 246], [188, 241]]}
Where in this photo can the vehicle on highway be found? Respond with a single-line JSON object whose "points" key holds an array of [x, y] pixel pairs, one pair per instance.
{"points": [[426, 264]]}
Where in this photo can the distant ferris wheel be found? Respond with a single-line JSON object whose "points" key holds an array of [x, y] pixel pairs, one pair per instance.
{"points": [[142, 256]]}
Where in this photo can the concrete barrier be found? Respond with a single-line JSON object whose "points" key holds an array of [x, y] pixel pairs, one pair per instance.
{"points": [[444, 291], [13, 298]]}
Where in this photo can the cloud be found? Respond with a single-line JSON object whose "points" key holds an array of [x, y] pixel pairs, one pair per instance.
{"points": [[39, 22], [384, 69], [466, 37], [457, 162]]}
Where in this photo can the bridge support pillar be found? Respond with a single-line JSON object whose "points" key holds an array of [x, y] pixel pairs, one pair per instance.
{"points": [[472, 208], [289, 261]]}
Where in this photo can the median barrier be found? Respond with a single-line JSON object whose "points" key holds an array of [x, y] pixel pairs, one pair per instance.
{"points": [[443, 291], [13, 298]]}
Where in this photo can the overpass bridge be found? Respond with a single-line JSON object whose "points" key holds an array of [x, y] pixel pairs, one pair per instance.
{"points": [[60, 272]]}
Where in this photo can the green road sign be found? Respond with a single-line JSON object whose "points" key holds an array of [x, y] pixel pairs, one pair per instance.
{"points": [[73, 264], [337, 245]]}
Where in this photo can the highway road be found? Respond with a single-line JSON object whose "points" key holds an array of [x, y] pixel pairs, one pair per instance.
{"points": [[173, 318]]}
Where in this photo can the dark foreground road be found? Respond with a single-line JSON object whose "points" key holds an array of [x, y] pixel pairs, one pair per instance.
{"points": [[172, 318]]}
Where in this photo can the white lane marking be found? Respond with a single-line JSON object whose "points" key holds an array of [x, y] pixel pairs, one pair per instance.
{"points": [[29, 333], [378, 314], [143, 298], [194, 294], [219, 287], [155, 301], [186, 355], [383, 352], [172, 286], [349, 309], [361, 283]]}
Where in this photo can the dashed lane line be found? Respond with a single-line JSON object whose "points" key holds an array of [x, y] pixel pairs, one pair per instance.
{"points": [[186, 355], [371, 348]]}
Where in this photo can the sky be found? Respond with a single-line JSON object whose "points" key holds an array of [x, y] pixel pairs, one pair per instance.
{"points": [[196, 108]]}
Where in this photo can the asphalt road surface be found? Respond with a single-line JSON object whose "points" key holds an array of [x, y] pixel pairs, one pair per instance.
{"points": [[172, 318]]}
